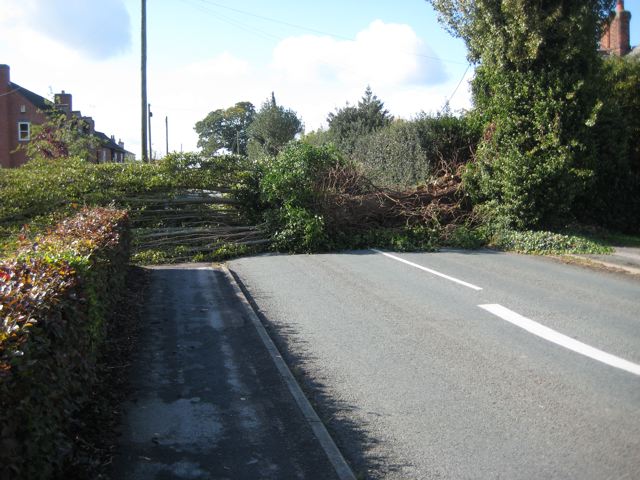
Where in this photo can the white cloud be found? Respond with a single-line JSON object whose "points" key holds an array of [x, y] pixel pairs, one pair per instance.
{"points": [[99, 30], [384, 54], [311, 75], [316, 74]]}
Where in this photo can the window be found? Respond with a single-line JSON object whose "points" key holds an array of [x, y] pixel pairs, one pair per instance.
{"points": [[23, 108], [24, 131]]}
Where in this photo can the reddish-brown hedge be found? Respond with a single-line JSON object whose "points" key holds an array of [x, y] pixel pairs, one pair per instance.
{"points": [[54, 296]]}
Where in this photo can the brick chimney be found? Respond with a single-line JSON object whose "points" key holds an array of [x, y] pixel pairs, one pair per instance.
{"points": [[63, 102], [5, 78], [5, 123], [616, 37]]}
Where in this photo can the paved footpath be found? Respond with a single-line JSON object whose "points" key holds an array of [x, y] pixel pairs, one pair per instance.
{"points": [[208, 401], [626, 259]]}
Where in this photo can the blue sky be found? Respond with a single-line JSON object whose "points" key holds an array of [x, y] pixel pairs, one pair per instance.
{"points": [[209, 54]]}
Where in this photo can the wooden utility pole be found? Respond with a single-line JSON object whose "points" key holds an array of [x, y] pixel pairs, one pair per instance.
{"points": [[166, 133], [143, 140], [150, 144]]}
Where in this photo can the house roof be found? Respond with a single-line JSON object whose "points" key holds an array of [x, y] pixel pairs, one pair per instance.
{"points": [[44, 105], [40, 102], [108, 142]]}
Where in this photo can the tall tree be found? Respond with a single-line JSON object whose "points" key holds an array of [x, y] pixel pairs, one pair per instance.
{"points": [[226, 129], [273, 127], [535, 90], [350, 123]]}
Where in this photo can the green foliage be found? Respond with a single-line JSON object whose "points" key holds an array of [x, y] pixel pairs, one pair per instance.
{"points": [[297, 229], [536, 94], [531, 165], [448, 139], [520, 34], [226, 129], [61, 137], [405, 239], [273, 127], [54, 297], [614, 199], [464, 236], [289, 193], [612, 238], [175, 254], [546, 243], [407, 153], [317, 138], [350, 123], [41, 188], [291, 176], [393, 156]]}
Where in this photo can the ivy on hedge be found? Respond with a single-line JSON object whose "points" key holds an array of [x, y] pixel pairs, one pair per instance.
{"points": [[54, 297]]}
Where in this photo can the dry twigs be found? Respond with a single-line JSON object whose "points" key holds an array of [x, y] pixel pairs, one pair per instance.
{"points": [[191, 223], [350, 202]]}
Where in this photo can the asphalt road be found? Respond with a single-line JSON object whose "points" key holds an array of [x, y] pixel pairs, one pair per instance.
{"points": [[415, 380], [207, 399]]}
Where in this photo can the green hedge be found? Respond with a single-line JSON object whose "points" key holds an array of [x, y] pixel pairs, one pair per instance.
{"points": [[404, 154], [40, 188], [55, 295]]}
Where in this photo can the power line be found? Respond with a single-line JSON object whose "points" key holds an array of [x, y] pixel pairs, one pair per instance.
{"points": [[234, 22], [300, 27], [459, 83], [274, 20]]}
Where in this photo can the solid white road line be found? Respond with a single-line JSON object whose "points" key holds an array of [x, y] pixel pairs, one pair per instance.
{"points": [[434, 272], [560, 339]]}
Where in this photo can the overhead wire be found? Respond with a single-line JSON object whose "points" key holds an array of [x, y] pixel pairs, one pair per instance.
{"points": [[459, 83], [232, 21], [208, 6], [305, 28]]}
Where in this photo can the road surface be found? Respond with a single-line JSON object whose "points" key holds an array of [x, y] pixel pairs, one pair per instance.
{"points": [[456, 365], [208, 401]]}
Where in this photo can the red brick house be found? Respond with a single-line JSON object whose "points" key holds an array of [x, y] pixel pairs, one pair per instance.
{"points": [[616, 37], [20, 109]]}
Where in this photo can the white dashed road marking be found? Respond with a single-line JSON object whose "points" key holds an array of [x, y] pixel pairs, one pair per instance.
{"points": [[429, 270], [560, 339]]}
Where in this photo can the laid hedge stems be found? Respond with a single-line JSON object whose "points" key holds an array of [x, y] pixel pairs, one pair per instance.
{"points": [[55, 298]]}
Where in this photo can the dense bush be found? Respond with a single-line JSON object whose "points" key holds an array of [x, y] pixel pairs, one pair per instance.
{"points": [[55, 296], [349, 124], [409, 153], [393, 156], [448, 139], [271, 129], [534, 159], [614, 200], [536, 92], [289, 190]]}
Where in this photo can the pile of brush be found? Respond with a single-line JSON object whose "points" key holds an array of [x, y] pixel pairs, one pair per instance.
{"points": [[348, 201]]}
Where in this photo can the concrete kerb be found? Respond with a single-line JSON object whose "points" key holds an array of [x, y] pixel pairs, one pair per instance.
{"points": [[616, 267], [340, 465]]}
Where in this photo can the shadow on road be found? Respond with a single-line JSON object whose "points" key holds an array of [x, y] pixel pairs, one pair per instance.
{"points": [[353, 439]]}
